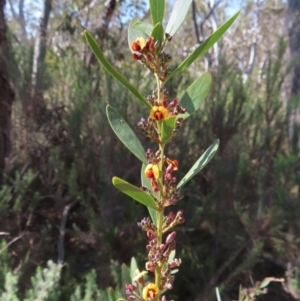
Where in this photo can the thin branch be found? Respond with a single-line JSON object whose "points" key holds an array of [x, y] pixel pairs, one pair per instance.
{"points": [[62, 232], [12, 241]]}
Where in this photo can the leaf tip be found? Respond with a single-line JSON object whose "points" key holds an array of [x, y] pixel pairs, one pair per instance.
{"points": [[114, 179]]}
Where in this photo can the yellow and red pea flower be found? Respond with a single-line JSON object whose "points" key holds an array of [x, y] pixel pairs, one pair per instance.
{"points": [[150, 291], [174, 163], [143, 45], [159, 113], [139, 44], [152, 171]]}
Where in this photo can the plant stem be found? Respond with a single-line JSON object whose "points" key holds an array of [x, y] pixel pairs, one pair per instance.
{"points": [[160, 214]]}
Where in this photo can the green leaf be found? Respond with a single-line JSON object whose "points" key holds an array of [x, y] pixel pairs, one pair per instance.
{"points": [[138, 29], [171, 256], [133, 268], [178, 15], [204, 47], [125, 134], [145, 182], [110, 69], [158, 34], [157, 8], [200, 164], [167, 127], [134, 192], [195, 95], [125, 274]]}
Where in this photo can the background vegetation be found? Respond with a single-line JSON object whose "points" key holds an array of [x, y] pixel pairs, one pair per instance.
{"points": [[56, 199]]}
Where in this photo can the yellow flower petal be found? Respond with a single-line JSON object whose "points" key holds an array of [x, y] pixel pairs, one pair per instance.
{"points": [[150, 291], [155, 171], [142, 42], [159, 113], [164, 111]]}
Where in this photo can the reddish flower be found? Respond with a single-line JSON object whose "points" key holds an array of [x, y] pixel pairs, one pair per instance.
{"points": [[152, 171], [138, 45]]}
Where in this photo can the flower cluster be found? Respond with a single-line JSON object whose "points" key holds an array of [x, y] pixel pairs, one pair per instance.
{"points": [[161, 109], [160, 173], [152, 55]]}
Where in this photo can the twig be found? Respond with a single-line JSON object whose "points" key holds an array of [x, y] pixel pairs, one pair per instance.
{"points": [[62, 232], [12, 241]]}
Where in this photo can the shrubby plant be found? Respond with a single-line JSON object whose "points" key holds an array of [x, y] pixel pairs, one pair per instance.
{"points": [[166, 114]]}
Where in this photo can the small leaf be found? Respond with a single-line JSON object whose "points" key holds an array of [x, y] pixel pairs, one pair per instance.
{"points": [[158, 34], [125, 272], [178, 15], [200, 164], [134, 192], [167, 128], [157, 8], [204, 47], [146, 183], [144, 27], [110, 69], [125, 134], [171, 256], [138, 29], [133, 268], [195, 95]]}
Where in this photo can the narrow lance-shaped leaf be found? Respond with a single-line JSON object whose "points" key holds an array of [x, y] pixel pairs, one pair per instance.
{"points": [[110, 69], [178, 15], [167, 128], [195, 95], [200, 163], [125, 273], [133, 268], [138, 29], [146, 183], [134, 192], [125, 133], [204, 47], [157, 8]]}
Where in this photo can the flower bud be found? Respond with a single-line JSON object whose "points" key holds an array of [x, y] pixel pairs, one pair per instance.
{"points": [[173, 103], [149, 58], [155, 189], [135, 46], [171, 215], [162, 246], [151, 235], [169, 169], [168, 177], [137, 57], [164, 103], [157, 153], [175, 263], [150, 266], [156, 44], [170, 237]]}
